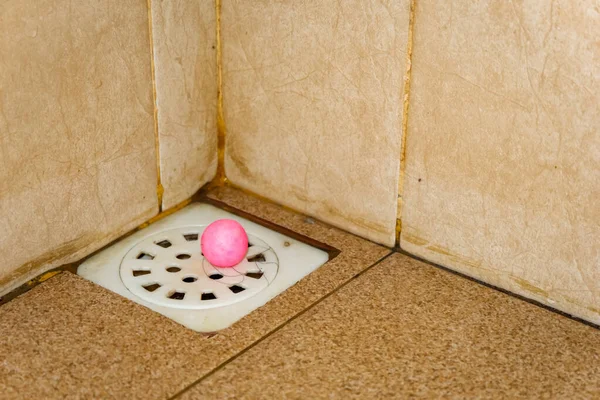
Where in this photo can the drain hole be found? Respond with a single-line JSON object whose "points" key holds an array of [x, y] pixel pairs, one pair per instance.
{"points": [[164, 244], [257, 258], [190, 279], [173, 269], [236, 288], [190, 237], [140, 273], [254, 275], [208, 296], [152, 287], [145, 256], [215, 276], [177, 295], [182, 256]]}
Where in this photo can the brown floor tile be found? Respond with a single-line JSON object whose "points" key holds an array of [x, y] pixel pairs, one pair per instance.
{"points": [[70, 337], [408, 329]]}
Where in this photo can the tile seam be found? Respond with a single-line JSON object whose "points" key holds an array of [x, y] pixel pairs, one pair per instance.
{"points": [[280, 326], [159, 187], [405, 109], [220, 177]]}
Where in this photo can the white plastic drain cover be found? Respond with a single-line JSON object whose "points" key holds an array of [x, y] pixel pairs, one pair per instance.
{"points": [[162, 268], [168, 269]]}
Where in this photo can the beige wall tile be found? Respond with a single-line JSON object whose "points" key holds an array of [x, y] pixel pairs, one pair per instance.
{"points": [[77, 161], [312, 93], [503, 147], [186, 90]]}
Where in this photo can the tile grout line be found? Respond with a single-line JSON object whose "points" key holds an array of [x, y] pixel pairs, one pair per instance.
{"points": [[159, 187], [220, 177], [405, 106], [279, 327]]}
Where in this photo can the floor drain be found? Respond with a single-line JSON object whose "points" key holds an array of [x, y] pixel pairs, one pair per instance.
{"points": [[162, 268], [184, 275]]}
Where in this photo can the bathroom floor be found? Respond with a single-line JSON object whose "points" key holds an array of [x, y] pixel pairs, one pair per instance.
{"points": [[368, 324]]}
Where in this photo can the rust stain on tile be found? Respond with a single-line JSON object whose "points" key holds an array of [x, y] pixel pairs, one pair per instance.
{"points": [[44, 277], [440, 250], [528, 286], [398, 230], [360, 222], [449, 255], [414, 239], [458, 258]]}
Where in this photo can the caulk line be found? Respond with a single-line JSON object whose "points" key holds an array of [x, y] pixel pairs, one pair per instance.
{"points": [[279, 327]]}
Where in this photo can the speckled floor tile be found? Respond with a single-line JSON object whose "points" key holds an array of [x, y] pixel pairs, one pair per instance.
{"points": [[407, 329], [71, 338]]}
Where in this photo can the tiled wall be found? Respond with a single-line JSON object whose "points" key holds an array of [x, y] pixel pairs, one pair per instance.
{"points": [[78, 141], [502, 155], [186, 92], [313, 106], [502, 177]]}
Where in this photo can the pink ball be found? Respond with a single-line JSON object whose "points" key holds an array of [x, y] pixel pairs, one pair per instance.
{"points": [[224, 243]]}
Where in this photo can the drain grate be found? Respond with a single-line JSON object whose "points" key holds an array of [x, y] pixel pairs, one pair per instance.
{"points": [[162, 268], [168, 269]]}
